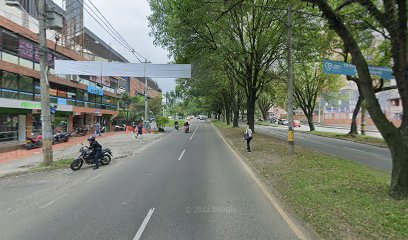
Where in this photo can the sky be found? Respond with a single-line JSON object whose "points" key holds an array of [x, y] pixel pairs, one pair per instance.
{"points": [[129, 18]]}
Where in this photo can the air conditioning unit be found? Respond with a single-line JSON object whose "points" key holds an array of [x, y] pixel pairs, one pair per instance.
{"points": [[74, 78], [120, 90]]}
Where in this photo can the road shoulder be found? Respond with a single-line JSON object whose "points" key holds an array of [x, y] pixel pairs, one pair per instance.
{"points": [[298, 226], [340, 199]]}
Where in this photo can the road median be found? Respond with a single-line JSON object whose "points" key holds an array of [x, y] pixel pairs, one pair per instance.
{"points": [[338, 198]]}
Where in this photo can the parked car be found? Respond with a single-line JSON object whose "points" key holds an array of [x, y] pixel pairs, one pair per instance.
{"points": [[273, 120], [286, 123], [296, 123], [281, 121]]}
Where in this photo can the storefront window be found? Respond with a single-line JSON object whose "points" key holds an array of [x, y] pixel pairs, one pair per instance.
{"points": [[8, 127]]}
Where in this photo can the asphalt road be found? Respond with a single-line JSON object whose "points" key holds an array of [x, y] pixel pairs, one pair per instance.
{"points": [[186, 186], [369, 155]]}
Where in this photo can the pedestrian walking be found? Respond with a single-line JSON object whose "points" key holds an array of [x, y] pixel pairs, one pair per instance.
{"points": [[140, 130], [98, 129], [248, 137]]}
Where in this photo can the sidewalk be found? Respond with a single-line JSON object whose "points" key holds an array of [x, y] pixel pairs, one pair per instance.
{"points": [[121, 143]]}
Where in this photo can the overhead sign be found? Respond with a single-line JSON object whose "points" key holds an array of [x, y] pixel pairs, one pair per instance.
{"points": [[89, 68], [343, 68], [95, 90]]}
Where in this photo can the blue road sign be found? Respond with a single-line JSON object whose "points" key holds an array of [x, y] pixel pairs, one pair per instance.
{"points": [[343, 68], [53, 109]]}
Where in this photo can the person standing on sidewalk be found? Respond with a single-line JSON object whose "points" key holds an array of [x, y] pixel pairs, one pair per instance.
{"points": [[248, 137]]}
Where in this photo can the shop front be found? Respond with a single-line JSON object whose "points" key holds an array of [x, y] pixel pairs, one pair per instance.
{"points": [[20, 118], [88, 117]]}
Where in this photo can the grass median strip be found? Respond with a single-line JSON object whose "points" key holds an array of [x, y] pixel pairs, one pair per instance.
{"points": [[358, 138], [340, 199], [63, 163]]}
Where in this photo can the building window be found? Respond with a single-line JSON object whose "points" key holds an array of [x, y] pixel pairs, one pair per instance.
{"points": [[26, 84], [10, 43], [8, 127], [9, 80]]}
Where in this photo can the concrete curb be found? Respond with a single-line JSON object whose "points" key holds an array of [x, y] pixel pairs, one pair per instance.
{"points": [[297, 224]]}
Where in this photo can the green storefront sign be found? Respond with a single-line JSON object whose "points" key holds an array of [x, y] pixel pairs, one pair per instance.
{"points": [[31, 105]]}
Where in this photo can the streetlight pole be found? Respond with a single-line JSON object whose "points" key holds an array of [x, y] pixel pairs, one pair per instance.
{"points": [[291, 133], [45, 97]]}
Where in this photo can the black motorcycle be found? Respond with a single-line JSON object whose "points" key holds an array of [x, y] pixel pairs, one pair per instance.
{"points": [[176, 126], [88, 158], [60, 137]]}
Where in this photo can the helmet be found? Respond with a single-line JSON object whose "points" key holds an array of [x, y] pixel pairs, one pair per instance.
{"points": [[91, 139]]}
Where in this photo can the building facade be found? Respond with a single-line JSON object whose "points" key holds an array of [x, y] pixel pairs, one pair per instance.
{"points": [[79, 101]]}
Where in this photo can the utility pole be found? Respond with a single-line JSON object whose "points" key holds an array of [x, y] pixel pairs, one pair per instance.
{"points": [[291, 133], [45, 97], [145, 90]]}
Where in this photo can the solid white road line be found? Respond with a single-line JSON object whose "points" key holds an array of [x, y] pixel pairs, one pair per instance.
{"points": [[144, 224], [364, 152], [95, 177], [194, 132], [181, 155], [53, 201]]}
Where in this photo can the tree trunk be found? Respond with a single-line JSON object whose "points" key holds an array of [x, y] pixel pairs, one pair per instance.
{"points": [[228, 116], [399, 176], [236, 118], [363, 120], [251, 111], [353, 127], [310, 122]]}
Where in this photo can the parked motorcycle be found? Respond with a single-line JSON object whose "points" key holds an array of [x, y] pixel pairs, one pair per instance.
{"points": [[60, 137], [33, 142], [121, 127], [176, 126], [88, 158], [80, 132]]}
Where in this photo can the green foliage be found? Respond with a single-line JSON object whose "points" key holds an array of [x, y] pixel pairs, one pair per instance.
{"points": [[155, 105], [161, 121]]}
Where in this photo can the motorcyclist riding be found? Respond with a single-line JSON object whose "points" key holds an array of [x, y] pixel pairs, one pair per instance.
{"points": [[96, 150], [176, 125], [186, 127]]}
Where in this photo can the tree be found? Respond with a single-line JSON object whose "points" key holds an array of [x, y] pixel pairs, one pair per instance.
{"points": [[392, 16], [274, 94], [248, 39], [156, 105], [310, 83]]}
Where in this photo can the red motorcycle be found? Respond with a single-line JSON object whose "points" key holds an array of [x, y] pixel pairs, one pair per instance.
{"points": [[34, 142]]}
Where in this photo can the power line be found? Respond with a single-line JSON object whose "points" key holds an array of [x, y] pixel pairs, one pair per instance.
{"points": [[115, 30], [115, 35], [109, 32]]}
